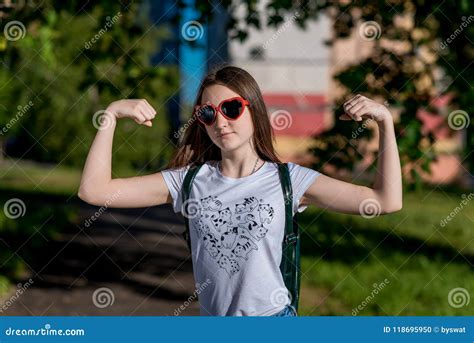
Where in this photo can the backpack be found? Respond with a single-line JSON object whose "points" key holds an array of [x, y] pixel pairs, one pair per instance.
{"points": [[290, 262]]}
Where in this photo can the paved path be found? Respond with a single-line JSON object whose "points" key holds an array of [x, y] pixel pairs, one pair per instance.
{"points": [[136, 255]]}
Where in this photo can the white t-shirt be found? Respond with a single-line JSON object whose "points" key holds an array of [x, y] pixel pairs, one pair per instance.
{"points": [[236, 229]]}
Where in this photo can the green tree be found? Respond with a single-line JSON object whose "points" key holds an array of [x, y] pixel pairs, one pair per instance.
{"points": [[75, 59]]}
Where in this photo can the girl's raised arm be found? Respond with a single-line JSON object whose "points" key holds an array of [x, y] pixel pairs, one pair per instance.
{"points": [[97, 186], [386, 194]]}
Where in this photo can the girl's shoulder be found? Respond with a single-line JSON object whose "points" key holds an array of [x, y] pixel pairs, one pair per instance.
{"points": [[212, 163], [202, 165]]}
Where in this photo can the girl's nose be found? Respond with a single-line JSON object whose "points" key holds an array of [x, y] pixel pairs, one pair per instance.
{"points": [[221, 121]]}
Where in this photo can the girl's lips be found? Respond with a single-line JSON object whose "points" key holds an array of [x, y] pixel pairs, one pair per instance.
{"points": [[225, 134]]}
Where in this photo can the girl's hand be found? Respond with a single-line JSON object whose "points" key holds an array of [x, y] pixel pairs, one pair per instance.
{"points": [[360, 107], [137, 109]]}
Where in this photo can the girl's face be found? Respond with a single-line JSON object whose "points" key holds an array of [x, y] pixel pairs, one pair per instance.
{"points": [[237, 132]]}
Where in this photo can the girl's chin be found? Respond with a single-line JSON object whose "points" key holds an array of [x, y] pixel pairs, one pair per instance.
{"points": [[228, 145]]}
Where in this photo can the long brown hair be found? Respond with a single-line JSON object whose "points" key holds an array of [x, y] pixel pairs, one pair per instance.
{"points": [[196, 147]]}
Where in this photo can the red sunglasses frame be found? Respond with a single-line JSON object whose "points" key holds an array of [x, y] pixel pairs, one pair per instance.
{"points": [[218, 108]]}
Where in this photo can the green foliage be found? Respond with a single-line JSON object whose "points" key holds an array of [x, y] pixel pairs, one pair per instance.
{"points": [[72, 63], [4, 285], [456, 60], [238, 26], [403, 68]]}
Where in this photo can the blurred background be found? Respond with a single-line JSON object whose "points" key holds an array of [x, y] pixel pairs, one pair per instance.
{"points": [[62, 63]]}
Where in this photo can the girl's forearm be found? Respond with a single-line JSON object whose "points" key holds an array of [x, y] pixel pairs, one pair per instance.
{"points": [[98, 167], [388, 179]]}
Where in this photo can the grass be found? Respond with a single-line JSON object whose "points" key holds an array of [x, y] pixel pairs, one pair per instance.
{"points": [[33, 177], [345, 259], [38, 178]]}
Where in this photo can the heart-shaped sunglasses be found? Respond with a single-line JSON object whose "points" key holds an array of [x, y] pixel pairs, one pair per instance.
{"points": [[231, 109]]}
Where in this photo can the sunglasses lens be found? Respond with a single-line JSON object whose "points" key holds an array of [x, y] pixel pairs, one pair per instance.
{"points": [[206, 114], [232, 108]]}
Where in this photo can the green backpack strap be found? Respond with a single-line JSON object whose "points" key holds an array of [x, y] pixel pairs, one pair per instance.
{"points": [[185, 191], [290, 261]]}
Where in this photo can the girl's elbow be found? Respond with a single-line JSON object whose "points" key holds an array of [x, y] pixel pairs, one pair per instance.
{"points": [[392, 208], [87, 197]]}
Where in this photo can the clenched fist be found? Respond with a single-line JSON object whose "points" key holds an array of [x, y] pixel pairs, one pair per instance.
{"points": [[137, 109], [361, 107]]}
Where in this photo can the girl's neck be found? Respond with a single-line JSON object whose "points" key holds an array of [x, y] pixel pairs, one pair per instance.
{"points": [[240, 166]]}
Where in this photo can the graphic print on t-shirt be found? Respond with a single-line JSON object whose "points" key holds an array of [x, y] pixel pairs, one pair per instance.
{"points": [[231, 234]]}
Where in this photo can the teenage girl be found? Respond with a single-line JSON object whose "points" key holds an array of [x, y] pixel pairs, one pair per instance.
{"points": [[238, 220]]}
